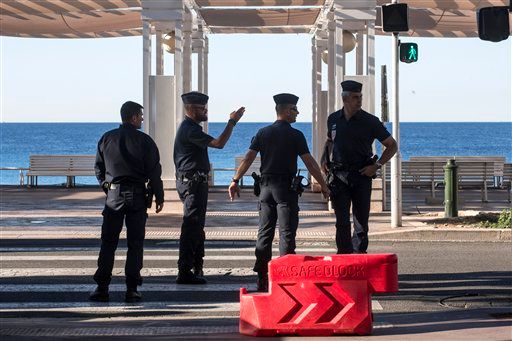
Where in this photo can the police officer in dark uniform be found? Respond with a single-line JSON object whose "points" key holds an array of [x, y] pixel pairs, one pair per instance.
{"points": [[192, 168], [350, 135], [125, 160], [279, 145]]}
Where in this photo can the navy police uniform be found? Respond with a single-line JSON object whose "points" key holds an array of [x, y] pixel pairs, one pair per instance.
{"points": [[126, 159], [279, 146], [192, 168], [352, 150]]}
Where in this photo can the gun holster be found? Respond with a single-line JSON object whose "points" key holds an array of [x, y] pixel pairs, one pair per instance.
{"points": [[149, 195], [257, 184], [297, 185]]}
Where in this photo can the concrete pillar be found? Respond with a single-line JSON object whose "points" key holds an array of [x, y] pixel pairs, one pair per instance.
{"points": [[187, 51], [331, 64], [360, 53], [340, 60], [146, 72], [159, 53], [178, 72], [314, 119]]}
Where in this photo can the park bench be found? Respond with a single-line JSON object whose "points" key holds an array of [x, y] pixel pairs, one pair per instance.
{"points": [[255, 167], [60, 165], [498, 161], [430, 174], [507, 179]]}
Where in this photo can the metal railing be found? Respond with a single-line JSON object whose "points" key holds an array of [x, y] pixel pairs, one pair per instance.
{"points": [[20, 169]]}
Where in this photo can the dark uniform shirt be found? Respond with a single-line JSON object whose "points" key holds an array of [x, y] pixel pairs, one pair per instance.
{"points": [[353, 139], [191, 147], [279, 145], [127, 155]]}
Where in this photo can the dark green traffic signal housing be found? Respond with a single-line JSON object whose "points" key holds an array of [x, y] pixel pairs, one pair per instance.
{"points": [[408, 52]]}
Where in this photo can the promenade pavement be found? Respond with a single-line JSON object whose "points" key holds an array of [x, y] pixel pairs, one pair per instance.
{"points": [[65, 214], [76, 213]]}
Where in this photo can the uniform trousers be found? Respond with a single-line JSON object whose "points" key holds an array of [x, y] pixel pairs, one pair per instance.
{"points": [[128, 206], [194, 195], [358, 194], [277, 202]]}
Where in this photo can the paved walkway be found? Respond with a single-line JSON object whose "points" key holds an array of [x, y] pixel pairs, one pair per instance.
{"points": [[55, 212]]}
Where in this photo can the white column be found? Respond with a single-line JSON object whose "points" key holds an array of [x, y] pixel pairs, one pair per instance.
{"points": [[146, 71], [206, 51], [178, 72], [159, 53], [321, 107], [331, 65], [187, 52], [314, 118], [370, 48], [340, 60], [360, 53]]}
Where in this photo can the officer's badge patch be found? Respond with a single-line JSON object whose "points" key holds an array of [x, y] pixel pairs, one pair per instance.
{"points": [[333, 132]]}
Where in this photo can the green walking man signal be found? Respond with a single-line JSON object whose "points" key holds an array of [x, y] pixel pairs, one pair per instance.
{"points": [[408, 52]]}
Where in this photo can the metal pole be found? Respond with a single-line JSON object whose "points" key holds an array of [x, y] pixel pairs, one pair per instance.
{"points": [[396, 163]]}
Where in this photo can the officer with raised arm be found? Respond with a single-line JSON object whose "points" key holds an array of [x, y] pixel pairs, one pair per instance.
{"points": [[192, 168], [279, 145]]}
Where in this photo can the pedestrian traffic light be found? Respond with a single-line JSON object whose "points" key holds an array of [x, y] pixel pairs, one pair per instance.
{"points": [[408, 52], [395, 18], [493, 23]]}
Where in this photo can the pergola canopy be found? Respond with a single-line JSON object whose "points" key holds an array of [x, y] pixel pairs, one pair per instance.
{"points": [[115, 18]]}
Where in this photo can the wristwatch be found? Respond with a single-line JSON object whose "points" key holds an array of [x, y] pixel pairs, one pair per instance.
{"points": [[379, 165], [232, 122], [235, 180]]}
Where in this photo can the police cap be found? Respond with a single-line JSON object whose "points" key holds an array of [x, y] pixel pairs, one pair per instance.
{"points": [[351, 86], [286, 99], [194, 97]]}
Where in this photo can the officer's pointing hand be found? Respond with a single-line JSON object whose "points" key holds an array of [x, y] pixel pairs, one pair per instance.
{"points": [[233, 189], [237, 115], [159, 207]]}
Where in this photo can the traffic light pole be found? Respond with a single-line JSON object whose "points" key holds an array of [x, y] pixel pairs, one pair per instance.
{"points": [[396, 162]]}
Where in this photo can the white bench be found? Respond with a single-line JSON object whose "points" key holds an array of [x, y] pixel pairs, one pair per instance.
{"points": [[60, 165], [498, 161], [430, 174], [507, 179], [255, 167]]}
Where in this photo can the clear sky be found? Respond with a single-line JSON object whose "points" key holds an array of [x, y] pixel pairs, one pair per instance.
{"points": [[86, 80]]}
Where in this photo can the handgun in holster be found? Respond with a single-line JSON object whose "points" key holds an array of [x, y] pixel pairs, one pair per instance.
{"points": [[257, 184], [332, 168], [149, 195], [297, 184]]}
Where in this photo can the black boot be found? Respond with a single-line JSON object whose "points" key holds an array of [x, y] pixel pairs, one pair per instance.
{"points": [[132, 295], [262, 282], [198, 271], [187, 277], [100, 294]]}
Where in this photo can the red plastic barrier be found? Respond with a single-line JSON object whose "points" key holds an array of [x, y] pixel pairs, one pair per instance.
{"points": [[321, 295]]}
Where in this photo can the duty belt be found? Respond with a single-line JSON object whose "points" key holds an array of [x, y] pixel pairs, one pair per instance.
{"points": [[193, 176], [135, 187]]}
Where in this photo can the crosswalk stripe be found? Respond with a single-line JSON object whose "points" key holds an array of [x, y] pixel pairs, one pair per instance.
{"points": [[169, 287], [174, 249], [146, 272], [121, 306], [119, 257]]}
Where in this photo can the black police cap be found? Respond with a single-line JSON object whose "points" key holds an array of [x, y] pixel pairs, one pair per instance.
{"points": [[351, 86], [194, 97], [286, 99]]}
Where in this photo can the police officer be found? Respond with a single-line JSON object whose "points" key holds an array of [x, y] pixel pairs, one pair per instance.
{"points": [[192, 167], [125, 160], [351, 132], [279, 145]]}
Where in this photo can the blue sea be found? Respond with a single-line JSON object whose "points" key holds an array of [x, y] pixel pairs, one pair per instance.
{"points": [[19, 140]]}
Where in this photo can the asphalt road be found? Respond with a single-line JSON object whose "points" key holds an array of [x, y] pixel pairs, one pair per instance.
{"points": [[45, 285]]}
